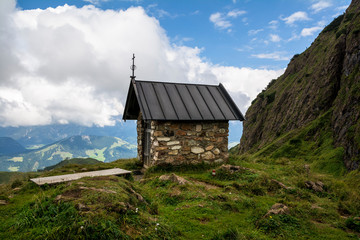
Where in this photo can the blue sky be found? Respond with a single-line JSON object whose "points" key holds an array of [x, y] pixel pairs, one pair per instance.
{"points": [[248, 33], [68, 61]]}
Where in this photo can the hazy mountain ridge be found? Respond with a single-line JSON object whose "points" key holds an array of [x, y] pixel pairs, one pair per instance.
{"points": [[9, 146], [48, 134], [321, 83], [102, 148]]}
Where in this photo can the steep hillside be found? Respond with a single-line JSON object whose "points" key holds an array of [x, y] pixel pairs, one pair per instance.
{"points": [[320, 87], [105, 149], [9, 146]]}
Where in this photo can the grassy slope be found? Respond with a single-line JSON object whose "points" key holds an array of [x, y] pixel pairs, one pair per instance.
{"points": [[221, 207], [73, 161]]}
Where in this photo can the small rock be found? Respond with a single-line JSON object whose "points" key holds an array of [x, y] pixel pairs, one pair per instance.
{"points": [[198, 128], [208, 155], [3, 202], [82, 207], [58, 197], [173, 152], [163, 139], [277, 208], [176, 147], [138, 196], [216, 151], [173, 143], [208, 148], [280, 184], [174, 178], [316, 186], [197, 150]]}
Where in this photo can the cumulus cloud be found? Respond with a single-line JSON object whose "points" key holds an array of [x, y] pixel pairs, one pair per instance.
{"points": [[295, 17], [321, 5], [219, 20], [275, 38], [222, 20], [71, 65], [311, 31], [235, 13]]}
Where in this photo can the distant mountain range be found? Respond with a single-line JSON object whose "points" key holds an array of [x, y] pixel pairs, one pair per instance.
{"points": [[35, 136], [9, 146], [102, 148], [38, 136]]}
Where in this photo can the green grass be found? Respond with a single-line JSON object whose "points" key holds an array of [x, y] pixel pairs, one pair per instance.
{"points": [[79, 161], [224, 206]]}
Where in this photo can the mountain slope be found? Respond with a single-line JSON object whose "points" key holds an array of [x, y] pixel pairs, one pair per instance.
{"points": [[101, 148], [322, 81], [9, 146], [77, 161], [48, 134]]}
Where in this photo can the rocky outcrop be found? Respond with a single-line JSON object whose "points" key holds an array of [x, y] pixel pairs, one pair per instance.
{"points": [[276, 209], [323, 79], [315, 186], [174, 178]]}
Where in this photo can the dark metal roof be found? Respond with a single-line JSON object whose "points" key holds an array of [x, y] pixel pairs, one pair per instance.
{"points": [[179, 101]]}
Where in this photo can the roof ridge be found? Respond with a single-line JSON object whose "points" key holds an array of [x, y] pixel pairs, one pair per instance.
{"points": [[183, 83]]}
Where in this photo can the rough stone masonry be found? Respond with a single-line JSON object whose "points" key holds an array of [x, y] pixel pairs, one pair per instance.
{"points": [[179, 142]]}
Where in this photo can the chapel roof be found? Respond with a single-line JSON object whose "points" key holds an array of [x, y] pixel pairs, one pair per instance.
{"points": [[179, 101]]}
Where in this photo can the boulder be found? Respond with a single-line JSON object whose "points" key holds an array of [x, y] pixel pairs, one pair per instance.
{"points": [[174, 178]]}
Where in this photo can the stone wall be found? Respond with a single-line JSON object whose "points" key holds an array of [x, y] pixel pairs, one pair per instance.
{"points": [[186, 142], [140, 131]]}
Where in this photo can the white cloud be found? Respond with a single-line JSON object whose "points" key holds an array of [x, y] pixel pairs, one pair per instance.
{"points": [[274, 24], [295, 17], [311, 31], [245, 91], [235, 13], [71, 65], [275, 38], [321, 5], [254, 31], [219, 20], [278, 56]]}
